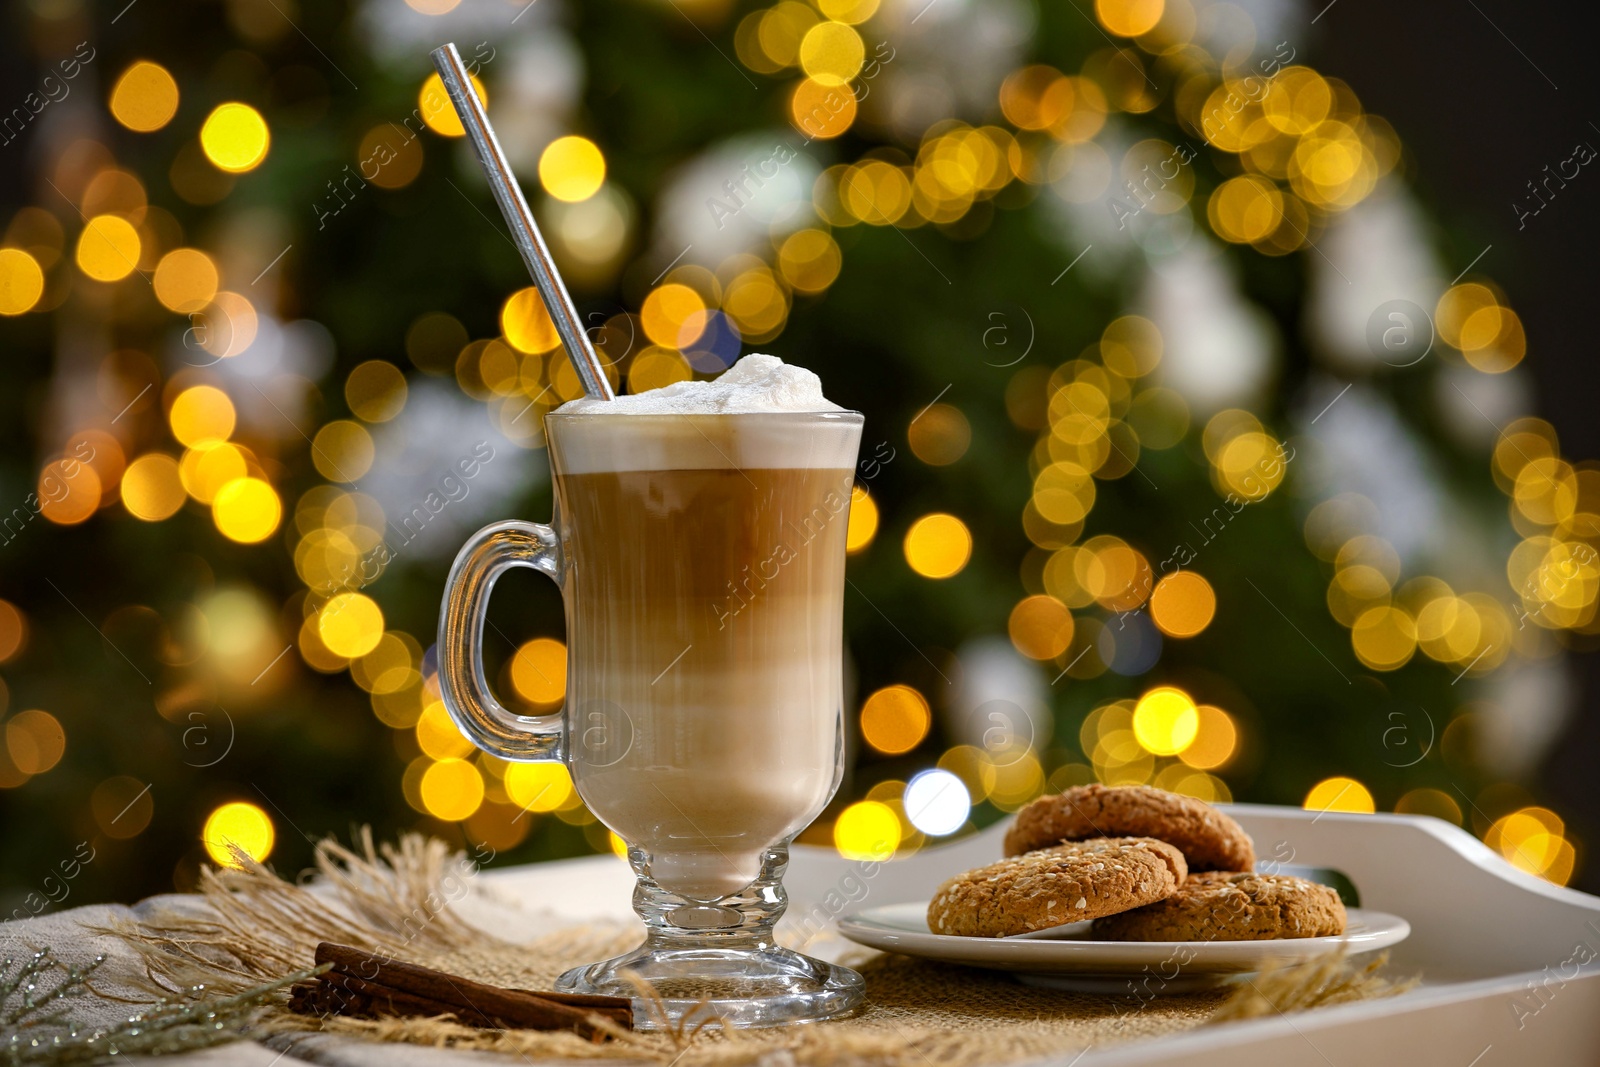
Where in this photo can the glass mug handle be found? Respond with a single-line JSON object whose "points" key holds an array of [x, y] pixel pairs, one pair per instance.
{"points": [[486, 722]]}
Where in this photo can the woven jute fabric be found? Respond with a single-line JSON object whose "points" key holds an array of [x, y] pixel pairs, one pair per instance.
{"points": [[252, 925]]}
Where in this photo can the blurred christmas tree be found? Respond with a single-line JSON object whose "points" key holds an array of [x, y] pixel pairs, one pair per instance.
{"points": [[1177, 434]]}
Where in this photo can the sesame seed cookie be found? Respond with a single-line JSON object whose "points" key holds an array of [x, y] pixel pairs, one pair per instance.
{"points": [[1054, 886], [1232, 906], [1210, 840]]}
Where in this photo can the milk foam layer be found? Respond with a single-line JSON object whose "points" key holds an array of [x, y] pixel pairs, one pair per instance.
{"points": [[761, 414], [753, 385]]}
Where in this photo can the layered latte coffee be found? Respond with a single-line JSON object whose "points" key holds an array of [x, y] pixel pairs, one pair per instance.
{"points": [[703, 537]]}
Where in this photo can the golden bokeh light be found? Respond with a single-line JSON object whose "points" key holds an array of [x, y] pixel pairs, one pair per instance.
{"points": [[1250, 464], [1426, 801], [376, 391], [499, 826], [350, 625], [1355, 590], [1448, 629], [1165, 721], [526, 323], [539, 672], [186, 280], [1197, 784], [1297, 100], [1041, 627], [437, 734], [433, 103], [389, 156], [1215, 740], [1546, 490], [819, 111], [35, 741], [1339, 794], [895, 719], [831, 53], [451, 790], [1115, 574], [1384, 638], [1063, 493], [539, 786], [1036, 97], [227, 326], [319, 657], [974, 767], [572, 168], [390, 667], [1018, 778], [939, 435], [108, 249], [657, 367], [1129, 18], [21, 281], [863, 525], [1532, 839], [1131, 346], [238, 825], [342, 451], [37, 232], [152, 488], [673, 315], [145, 97], [1182, 604], [780, 31], [246, 510], [114, 191], [809, 260], [1245, 209], [201, 415], [876, 192], [867, 830], [938, 545], [1464, 304], [13, 630], [854, 12], [204, 470], [69, 492], [104, 453], [122, 807], [1493, 340], [757, 304], [235, 138], [1223, 427], [327, 560]]}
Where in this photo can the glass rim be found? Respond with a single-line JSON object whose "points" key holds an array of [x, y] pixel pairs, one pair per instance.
{"points": [[843, 415]]}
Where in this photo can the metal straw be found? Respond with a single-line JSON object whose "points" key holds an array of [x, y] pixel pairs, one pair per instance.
{"points": [[524, 231]]}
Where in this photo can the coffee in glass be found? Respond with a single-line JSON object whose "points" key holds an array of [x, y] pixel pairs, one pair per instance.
{"points": [[699, 541]]}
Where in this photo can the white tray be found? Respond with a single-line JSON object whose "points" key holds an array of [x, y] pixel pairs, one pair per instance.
{"points": [[1510, 963]]}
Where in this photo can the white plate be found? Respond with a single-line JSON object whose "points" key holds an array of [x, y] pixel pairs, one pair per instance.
{"points": [[1071, 960]]}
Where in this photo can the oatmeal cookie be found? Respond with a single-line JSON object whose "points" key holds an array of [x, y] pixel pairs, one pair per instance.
{"points": [[1232, 906], [1058, 885], [1209, 840]]}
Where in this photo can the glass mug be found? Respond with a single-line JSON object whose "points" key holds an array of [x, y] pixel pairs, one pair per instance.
{"points": [[701, 565]]}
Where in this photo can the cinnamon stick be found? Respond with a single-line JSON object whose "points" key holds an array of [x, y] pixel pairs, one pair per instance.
{"points": [[323, 998], [362, 983]]}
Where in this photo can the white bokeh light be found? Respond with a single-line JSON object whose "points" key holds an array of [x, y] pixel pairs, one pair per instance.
{"points": [[937, 803]]}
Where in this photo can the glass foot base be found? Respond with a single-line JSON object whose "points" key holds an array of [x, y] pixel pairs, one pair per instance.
{"points": [[740, 987]]}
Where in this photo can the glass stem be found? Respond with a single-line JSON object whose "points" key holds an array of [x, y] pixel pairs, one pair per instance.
{"points": [[745, 920]]}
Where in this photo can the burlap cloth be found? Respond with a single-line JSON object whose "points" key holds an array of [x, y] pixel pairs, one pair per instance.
{"points": [[250, 926]]}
